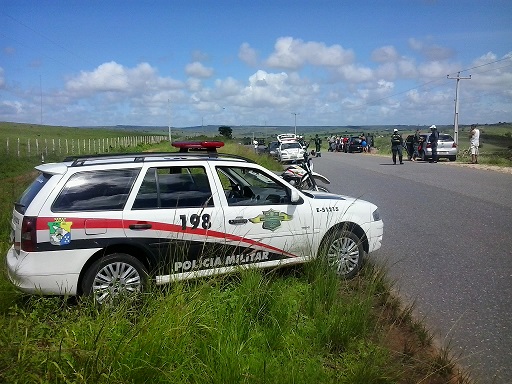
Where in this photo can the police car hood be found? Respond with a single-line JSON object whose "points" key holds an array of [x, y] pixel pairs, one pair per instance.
{"points": [[326, 195], [318, 195]]}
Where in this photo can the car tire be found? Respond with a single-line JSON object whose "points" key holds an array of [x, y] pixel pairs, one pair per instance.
{"points": [[114, 275], [452, 158], [343, 250]]}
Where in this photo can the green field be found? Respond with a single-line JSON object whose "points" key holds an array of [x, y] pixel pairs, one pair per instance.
{"points": [[293, 325]]}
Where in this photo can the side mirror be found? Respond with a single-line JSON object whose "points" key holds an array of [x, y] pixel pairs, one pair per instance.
{"points": [[295, 197]]}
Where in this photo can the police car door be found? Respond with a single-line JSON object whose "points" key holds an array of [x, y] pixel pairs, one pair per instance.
{"points": [[261, 223], [175, 216]]}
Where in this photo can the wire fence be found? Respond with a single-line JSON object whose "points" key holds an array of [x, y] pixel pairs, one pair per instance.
{"points": [[69, 147]]}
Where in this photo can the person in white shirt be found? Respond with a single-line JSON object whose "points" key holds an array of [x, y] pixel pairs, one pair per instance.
{"points": [[474, 143]]}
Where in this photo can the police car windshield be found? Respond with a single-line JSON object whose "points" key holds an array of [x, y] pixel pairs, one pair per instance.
{"points": [[290, 145]]}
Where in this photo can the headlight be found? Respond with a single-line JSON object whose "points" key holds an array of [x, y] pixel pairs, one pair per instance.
{"points": [[376, 215]]}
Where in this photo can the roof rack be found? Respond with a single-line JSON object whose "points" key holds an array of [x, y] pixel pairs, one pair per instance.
{"points": [[187, 150]]}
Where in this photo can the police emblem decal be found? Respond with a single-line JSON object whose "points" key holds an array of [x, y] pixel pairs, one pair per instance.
{"points": [[271, 219], [60, 231]]}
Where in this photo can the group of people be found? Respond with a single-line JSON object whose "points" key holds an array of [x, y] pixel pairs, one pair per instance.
{"points": [[397, 144], [337, 143]]}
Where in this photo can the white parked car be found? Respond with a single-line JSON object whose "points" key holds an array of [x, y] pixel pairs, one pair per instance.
{"points": [[286, 137], [290, 151], [107, 225]]}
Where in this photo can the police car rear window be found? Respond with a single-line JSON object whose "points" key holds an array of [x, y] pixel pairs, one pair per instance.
{"points": [[96, 191], [33, 189]]}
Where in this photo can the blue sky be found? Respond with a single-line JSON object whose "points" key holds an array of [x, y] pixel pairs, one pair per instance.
{"points": [[189, 62]]}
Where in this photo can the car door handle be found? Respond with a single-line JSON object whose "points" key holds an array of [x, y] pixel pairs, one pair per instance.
{"points": [[237, 221], [140, 226]]}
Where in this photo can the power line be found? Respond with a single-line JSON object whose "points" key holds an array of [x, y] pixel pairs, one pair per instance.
{"points": [[483, 65]]}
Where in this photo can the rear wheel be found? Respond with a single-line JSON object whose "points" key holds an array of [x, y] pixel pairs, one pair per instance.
{"points": [[344, 252], [113, 276]]}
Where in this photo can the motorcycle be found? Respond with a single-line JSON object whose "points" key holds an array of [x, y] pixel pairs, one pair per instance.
{"points": [[302, 176]]}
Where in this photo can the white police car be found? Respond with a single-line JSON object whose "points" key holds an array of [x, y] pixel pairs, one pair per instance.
{"points": [[106, 225], [290, 151]]}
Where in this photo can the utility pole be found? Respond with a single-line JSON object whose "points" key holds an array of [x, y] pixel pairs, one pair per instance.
{"points": [[170, 136], [295, 114], [456, 118], [41, 91]]}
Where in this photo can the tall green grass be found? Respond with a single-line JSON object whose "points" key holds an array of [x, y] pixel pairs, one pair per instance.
{"points": [[251, 327]]}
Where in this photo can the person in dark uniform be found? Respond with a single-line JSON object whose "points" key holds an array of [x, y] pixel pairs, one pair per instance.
{"points": [[318, 143], [433, 138], [415, 145], [397, 143]]}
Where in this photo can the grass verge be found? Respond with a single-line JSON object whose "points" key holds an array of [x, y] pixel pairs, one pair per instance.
{"points": [[295, 325]]}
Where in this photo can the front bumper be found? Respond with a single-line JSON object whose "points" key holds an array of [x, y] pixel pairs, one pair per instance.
{"points": [[374, 235]]}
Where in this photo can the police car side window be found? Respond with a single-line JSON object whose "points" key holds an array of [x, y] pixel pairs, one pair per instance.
{"points": [[174, 187], [96, 191], [248, 186]]}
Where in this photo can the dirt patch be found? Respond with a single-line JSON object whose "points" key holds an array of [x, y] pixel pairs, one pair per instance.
{"points": [[486, 167]]}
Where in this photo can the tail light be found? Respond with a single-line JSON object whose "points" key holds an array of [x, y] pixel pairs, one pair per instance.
{"points": [[454, 145], [29, 234], [429, 145]]}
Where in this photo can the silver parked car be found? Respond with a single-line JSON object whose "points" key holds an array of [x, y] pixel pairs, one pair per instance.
{"points": [[446, 147]]}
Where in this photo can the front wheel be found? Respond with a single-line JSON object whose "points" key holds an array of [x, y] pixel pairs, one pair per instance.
{"points": [[113, 276], [344, 252]]}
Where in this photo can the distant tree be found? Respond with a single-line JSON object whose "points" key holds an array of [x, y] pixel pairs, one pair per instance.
{"points": [[226, 131]]}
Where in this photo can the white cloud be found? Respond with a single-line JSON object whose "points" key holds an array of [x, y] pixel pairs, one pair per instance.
{"points": [[407, 68], [293, 54], [430, 50], [11, 108], [355, 74], [385, 54], [107, 77], [387, 71], [434, 69], [248, 55], [198, 70], [114, 78]]}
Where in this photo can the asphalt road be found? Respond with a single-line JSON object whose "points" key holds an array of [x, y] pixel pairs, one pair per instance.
{"points": [[448, 244]]}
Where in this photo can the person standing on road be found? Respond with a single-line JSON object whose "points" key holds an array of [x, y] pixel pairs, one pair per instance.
{"points": [[474, 143], [397, 143], [415, 145], [433, 138], [318, 143]]}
